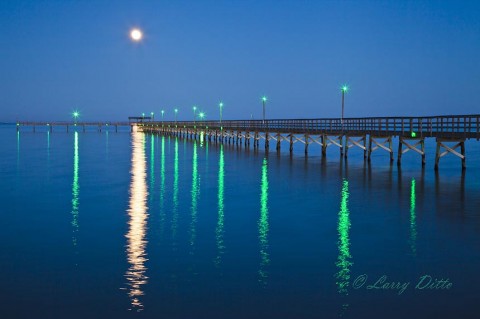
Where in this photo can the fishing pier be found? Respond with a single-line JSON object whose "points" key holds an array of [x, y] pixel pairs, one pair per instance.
{"points": [[368, 134]]}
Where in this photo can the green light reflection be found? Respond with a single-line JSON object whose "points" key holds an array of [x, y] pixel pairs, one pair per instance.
{"points": [[344, 257], [221, 188], [175, 191], [152, 162], [18, 150], [195, 194], [75, 190], [162, 185], [413, 219], [263, 226], [106, 143], [48, 146]]}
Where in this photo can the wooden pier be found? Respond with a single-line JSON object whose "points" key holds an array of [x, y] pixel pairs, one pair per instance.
{"points": [[369, 134], [84, 126]]}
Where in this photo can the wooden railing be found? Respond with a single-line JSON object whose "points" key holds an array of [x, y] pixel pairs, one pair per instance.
{"points": [[452, 126]]}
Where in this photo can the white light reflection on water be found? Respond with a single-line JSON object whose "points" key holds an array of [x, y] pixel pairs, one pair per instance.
{"points": [[137, 212]]}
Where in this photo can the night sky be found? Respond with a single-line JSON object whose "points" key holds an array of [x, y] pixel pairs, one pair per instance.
{"points": [[398, 57]]}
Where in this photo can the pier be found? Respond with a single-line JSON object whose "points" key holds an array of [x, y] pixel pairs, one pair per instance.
{"points": [[368, 134], [84, 126]]}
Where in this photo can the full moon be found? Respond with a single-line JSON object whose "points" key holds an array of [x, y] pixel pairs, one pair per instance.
{"points": [[136, 35]]}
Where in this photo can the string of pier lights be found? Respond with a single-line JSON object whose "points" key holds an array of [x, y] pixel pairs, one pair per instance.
{"points": [[264, 99]]}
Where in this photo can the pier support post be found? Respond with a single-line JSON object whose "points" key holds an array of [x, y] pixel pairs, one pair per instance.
{"points": [[324, 145], [267, 141], [341, 145], [291, 143], [279, 137], [306, 144], [370, 148]]}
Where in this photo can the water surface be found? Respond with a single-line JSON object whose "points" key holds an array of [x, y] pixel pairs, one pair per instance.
{"points": [[135, 225]]}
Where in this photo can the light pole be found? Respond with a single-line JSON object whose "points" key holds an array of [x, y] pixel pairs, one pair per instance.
{"points": [[163, 112], [220, 105], [344, 90], [152, 116], [264, 101], [201, 115], [176, 111], [194, 114]]}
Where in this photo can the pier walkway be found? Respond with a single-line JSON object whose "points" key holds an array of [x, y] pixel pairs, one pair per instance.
{"points": [[369, 133]]}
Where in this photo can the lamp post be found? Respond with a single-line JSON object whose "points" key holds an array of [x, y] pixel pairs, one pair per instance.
{"points": [[152, 116], [201, 115], [220, 105], [163, 112], [176, 111], [264, 101], [194, 114], [344, 90]]}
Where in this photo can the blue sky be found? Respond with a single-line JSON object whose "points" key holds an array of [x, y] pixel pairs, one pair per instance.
{"points": [[398, 57]]}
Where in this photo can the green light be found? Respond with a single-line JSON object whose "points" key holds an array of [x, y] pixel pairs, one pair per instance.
{"points": [[163, 112], [201, 115], [176, 110], [264, 98], [194, 108], [143, 114], [219, 230], [413, 222], [263, 225], [75, 114], [220, 104], [18, 124], [344, 88], [413, 134], [343, 261]]}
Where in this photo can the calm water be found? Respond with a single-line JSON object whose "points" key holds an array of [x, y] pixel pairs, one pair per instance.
{"points": [[140, 226]]}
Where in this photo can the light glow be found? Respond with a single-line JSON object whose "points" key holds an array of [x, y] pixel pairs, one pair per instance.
{"points": [[136, 35]]}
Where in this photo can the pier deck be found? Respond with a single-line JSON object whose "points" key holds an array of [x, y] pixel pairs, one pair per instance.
{"points": [[369, 133]]}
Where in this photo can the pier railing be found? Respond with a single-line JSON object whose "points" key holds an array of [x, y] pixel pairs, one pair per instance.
{"points": [[457, 126]]}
